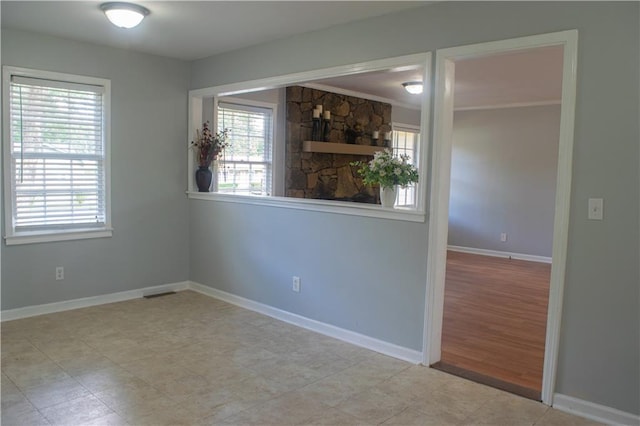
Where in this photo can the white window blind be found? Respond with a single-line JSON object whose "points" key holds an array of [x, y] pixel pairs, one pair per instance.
{"points": [[247, 166], [57, 150]]}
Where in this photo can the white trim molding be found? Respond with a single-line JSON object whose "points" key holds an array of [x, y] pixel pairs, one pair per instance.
{"points": [[386, 348], [593, 411], [46, 237], [440, 186], [496, 253], [85, 302], [337, 207], [64, 232], [511, 105]]}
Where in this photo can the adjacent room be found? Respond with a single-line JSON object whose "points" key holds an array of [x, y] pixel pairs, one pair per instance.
{"points": [[156, 269], [506, 129]]}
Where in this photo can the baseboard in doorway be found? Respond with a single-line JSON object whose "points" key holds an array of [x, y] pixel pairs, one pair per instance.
{"points": [[503, 254]]}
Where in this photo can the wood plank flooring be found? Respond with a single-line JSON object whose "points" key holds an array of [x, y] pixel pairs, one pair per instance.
{"points": [[495, 315]]}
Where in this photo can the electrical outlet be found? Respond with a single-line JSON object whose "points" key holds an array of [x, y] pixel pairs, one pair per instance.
{"points": [[596, 206], [296, 284], [503, 237], [59, 273]]}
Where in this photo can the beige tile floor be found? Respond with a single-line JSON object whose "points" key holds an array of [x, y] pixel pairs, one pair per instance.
{"points": [[188, 359]]}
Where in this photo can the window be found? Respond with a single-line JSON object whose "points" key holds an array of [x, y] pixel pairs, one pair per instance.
{"points": [[56, 163], [406, 140], [247, 163]]}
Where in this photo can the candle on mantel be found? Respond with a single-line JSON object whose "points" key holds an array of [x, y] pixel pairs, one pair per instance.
{"points": [[327, 115], [316, 113], [375, 134], [387, 136], [319, 108]]}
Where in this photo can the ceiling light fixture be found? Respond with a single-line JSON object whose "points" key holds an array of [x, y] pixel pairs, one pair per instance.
{"points": [[124, 15], [413, 87]]}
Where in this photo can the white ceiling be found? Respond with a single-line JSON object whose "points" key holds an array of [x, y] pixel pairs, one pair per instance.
{"points": [[191, 30], [527, 76], [385, 84]]}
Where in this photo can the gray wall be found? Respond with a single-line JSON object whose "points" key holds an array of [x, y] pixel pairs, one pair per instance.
{"points": [[405, 115], [253, 251], [368, 275], [148, 156], [503, 179]]}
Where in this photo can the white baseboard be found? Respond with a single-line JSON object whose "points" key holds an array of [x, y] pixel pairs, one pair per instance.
{"points": [[505, 254], [593, 411], [49, 308], [357, 339]]}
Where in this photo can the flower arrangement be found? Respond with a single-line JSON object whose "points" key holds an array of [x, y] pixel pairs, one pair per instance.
{"points": [[387, 170], [209, 145]]}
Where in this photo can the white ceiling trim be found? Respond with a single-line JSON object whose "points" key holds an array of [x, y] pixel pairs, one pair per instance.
{"points": [[510, 105]]}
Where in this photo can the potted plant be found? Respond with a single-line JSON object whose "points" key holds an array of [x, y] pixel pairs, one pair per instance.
{"points": [[207, 147], [389, 172]]}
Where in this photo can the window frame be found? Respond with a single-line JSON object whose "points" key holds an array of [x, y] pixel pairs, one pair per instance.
{"points": [[273, 108], [60, 233], [415, 130]]}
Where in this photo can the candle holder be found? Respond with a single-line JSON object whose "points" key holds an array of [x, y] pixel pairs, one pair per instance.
{"points": [[326, 126], [387, 140], [316, 129], [374, 138]]}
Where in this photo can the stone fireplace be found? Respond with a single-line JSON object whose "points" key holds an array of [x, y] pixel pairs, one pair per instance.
{"points": [[328, 175]]}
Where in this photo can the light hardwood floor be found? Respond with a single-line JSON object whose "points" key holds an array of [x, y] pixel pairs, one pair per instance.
{"points": [[187, 359], [495, 315]]}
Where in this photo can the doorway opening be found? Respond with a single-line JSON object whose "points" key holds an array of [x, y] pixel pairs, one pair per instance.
{"points": [[492, 249], [505, 135]]}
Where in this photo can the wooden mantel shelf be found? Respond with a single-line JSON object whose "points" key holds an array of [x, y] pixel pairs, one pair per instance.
{"points": [[339, 148]]}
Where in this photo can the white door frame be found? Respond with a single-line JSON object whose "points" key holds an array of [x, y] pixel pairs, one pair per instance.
{"points": [[441, 176]]}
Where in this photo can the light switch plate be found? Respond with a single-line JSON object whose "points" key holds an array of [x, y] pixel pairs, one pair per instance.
{"points": [[596, 206]]}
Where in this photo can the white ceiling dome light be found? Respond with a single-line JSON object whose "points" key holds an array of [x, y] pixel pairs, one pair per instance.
{"points": [[413, 87], [124, 15]]}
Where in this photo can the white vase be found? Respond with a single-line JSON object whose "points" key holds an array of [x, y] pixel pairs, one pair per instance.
{"points": [[388, 196]]}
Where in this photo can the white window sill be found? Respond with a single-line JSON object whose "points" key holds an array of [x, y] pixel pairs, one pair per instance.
{"points": [[337, 207], [51, 236]]}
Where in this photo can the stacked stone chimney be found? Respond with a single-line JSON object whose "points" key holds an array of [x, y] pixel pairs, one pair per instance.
{"points": [[323, 175]]}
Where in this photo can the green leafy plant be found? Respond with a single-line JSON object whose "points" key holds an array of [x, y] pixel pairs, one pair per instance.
{"points": [[386, 170], [209, 145]]}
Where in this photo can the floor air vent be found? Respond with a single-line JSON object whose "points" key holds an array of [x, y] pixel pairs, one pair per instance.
{"points": [[151, 296]]}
